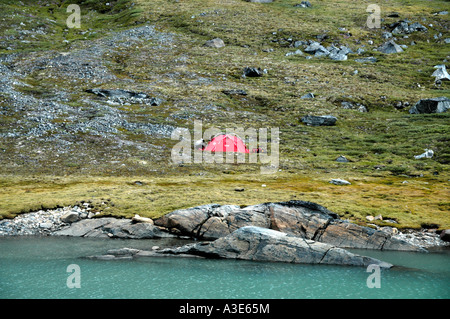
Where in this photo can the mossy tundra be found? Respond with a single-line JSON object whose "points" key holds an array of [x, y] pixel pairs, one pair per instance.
{"points": [[60, 145]]}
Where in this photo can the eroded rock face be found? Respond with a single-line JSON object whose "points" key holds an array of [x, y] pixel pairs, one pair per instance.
{"points": [[262, 244], [111, 227], [299, 218]]}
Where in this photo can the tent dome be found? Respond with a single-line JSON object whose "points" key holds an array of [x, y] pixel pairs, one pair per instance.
{"points": [[226, 143]]}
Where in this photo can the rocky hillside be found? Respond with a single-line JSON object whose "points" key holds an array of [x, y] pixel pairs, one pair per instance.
{"points": [[102, 100]]}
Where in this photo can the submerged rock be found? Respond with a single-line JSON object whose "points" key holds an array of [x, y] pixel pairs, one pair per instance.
{"points": [[261, 244]]}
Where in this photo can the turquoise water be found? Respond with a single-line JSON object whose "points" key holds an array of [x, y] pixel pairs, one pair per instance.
{"points": [[36, 267]]}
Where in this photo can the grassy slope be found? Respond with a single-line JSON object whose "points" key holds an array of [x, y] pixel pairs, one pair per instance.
{"points": [[384, 137]]}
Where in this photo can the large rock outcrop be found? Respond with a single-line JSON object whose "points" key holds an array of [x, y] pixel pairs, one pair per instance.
{"points": [[111, 227], [262, 244], [299, 218]]}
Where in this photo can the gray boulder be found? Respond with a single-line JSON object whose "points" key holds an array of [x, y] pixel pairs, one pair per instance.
{"points": [[70, 217], [215, 43], [338, 181], [433, 105], [339, 54], [253, 72], [403, 27], [390, 47], [308, 96], [303, 4], [317, 49], [261, 244], [441, 73], [342, 159], [324, 120]]}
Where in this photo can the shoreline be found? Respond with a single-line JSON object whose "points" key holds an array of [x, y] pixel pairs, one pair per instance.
{"points": [[53, 222]]}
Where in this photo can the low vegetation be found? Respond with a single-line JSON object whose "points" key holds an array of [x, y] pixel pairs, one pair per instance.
{"points": [[127, 170]]}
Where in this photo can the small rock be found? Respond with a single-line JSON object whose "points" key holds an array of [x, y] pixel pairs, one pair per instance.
{"points": [[338, 181], [308, 96], [427, 154], [386, 35], [317, 49], [342, 159], [324, 120], [441, 73], [303, 4], [369, 59], [390, 47], [389, 230], [45, 225], [370, 218], [234, 92], [70, 217], [378, 217], [140, 219], [215, 43], [296, 52], [253, 72]]}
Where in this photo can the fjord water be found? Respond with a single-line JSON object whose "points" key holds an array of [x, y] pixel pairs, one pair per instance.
{"points": [[36, 267]]}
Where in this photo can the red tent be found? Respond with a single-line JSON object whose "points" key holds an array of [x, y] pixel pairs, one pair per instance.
{"points": [[226, 143]]}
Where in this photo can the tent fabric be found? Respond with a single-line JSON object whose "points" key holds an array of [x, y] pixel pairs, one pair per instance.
{"points": [[226, 143]]}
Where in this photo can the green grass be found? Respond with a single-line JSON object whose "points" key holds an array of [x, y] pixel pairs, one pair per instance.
{"points": [[409, 204]]}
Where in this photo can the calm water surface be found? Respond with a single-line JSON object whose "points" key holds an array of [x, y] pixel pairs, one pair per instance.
{"points": [[36, 267]]}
